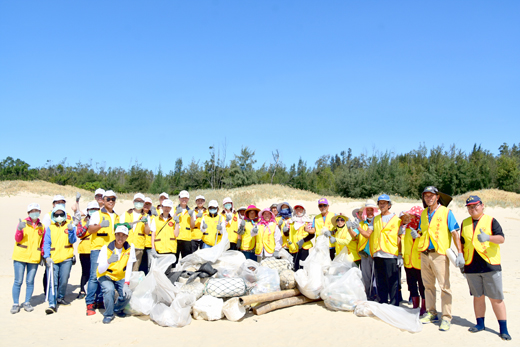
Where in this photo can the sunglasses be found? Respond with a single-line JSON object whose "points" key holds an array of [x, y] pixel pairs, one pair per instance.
{"points": [[322, 205], [110, 199], [59, 214], [340, 220]]}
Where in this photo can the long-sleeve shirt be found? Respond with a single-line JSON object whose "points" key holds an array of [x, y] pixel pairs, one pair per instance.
{"points": [[103, 261], [47, 241]]}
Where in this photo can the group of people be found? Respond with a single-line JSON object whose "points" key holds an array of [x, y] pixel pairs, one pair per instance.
{"points": [[378, 240]]}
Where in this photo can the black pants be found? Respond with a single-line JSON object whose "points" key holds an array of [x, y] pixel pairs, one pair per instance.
{"points": [[144, 262], [298, 257], [195, 245], [332, 252], [387, 278], [183, 249], [414, 281], [233, 246], [84, 259]]}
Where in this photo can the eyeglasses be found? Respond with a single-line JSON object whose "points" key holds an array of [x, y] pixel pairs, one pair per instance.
{"points": [[322, 205], [473, 207], [59, 214], [99, 196], [111, 199]]}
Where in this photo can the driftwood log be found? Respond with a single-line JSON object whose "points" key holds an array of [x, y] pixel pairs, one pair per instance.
{"points": [[287, 302], [258, 298]]}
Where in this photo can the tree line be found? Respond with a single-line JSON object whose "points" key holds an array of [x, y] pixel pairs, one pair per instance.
{"points": [[452, 170]]}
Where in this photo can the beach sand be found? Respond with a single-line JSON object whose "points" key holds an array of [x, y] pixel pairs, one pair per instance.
{"points": [[307, 325]]}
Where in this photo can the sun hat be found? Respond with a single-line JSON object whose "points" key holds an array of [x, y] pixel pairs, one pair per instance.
{"points": [[92, 204], [335, 218]]}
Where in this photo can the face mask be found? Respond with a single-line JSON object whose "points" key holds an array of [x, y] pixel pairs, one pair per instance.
{"points": [[212, 210], [227, 206], [91, 212], [285, 213], [59, 219], [138, 205], [34, 215]]}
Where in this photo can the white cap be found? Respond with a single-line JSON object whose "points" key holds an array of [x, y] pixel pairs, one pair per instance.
{"points": [[167, 203], [99, 191], [200, 197], [109, 193], [165, 195], [138, 196], [184, 194], [33, 206], [213, 203], [226, 200], [58, 198], [147, 200], [121, 229], [93, 204]]}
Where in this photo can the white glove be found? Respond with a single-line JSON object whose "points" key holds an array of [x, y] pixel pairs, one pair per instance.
{"points": [[332, 239], [154, 253], [228, 217], [219, 227], [191, 213], [483, 237], [459, 262], [49, 261], [127, 293], [327, 233], [399, 260], [176, 219], [21, 224], [413, 233], [70, 226], [254, 231]]}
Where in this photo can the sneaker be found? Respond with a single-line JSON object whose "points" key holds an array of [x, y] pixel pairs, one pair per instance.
{"points": [[91, 310], [81, 295], [108, 319], [50, 310], [429, 318], [15, 309], [445, 325], [121, 314], [27, 307], [63, 302]]}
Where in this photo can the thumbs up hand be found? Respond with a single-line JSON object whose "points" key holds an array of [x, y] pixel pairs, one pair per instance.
{"points": [[21, 224], [483, 237], [104, 223]]}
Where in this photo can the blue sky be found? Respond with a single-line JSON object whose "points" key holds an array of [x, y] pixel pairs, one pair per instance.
{"points": [[125, 81]]}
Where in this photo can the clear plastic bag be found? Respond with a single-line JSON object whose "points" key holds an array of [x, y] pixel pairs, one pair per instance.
{"points": [[344, 293], [208, 308], [136, 278], [399, 317], [277, 264], [178, 314], [267, 280], [207, 254], [228, 264], [233, 310], [248, 270]]}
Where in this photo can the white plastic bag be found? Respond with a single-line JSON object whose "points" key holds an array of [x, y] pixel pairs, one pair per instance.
{"points": [[344, 293], [178, 314], [233, 310], [267, 280], [248, 270], [195, 288], [310, 280], [286, 255], [399, 317], [208, 308], [136, 278], [207, 254], [228, 264]]}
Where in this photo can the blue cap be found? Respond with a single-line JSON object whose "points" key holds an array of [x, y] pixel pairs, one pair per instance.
{"points": [[384, 197], [472, 200]]}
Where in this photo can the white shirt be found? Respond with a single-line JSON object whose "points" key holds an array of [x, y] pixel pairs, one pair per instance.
{"points": [[103, 260], [95, 219]]}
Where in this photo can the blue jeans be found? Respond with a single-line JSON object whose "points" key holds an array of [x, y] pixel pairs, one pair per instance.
{"points": [[93, 288], [19, 270], [205, 245], [61, 277], [109, 287], [249, 255]]}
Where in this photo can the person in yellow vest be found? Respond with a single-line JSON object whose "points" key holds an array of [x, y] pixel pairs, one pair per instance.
{"points": [[139, 221], [342, 237], [285, 212], [481, 237], [114, 270], [437, 228], [231, 217], [196, 233], [84, 247], [412, 257], [185, 217], [213, 226], [268, 238], [27, 255], [101, 230], [301, 234], [165, 231], [322, 224], [385, 247], [163, 196], [274, 210], [58, 251], [247, 230], [56, 200]]}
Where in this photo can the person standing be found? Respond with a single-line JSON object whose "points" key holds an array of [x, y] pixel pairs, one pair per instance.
{"points": [[283, 220], [139, 221], [301, 234], [247, 231], [322, 224], [269, 238], [231, 217], [481, 237], [27, 255], [437, 228], [213, 226], [184, 216], [196, 233], [84, 247], [165, 231], [342, 237]]}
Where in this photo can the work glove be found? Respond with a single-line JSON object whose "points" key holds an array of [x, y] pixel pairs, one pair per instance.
{"points": [[199, 215], [276, 254], [204, 225], [332, 239], [144, 220], [88, 223], [286, 228], [154, 212], [280, 222], [228, 217], [326, 233], [21, 224], [70, 226], [219, 227], [254, 231], [77, 218], [483, 237], [104, 223], [154, 253], [127, 293], [300, 243], [178, 210], [239, 243], [113, 258], [459, 262], [42, 262], [49, 262], [176, 219], [349, 224], [399, 260], [242, 228], [402, 230], [414, 233], [78, 196], [191, 213], [289, 242], [354, 224]]}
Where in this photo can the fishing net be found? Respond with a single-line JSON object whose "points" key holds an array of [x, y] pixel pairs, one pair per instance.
{"points": [[225, 287]]}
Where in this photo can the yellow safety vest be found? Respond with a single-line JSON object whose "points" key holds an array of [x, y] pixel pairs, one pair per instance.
{"points": [[319, 224], [28, 250], [296, 235], [343, 238], [165, 241], [104, 235], [184, 227], [285, 239], [136, 235], [61, 248], [384, 238], [265, 239], [232, 226], [489, 251], [196, 234], [210, 234], [116, 271], [248, 242], [362, 241], [437, 231], [410, 249]]}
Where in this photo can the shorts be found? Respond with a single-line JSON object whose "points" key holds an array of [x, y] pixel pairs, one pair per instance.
{"points": [[487, 283]]}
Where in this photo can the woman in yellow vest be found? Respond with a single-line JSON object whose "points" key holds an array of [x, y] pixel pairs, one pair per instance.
{"points": [[285, 212], [27, 255], [196, 234], [301, 234], [185, 217], [412, 257], [212, 226], [247, 231], [343, 237], [481, 238], [139, 221], [84, 247], [151, 212], [322, 224], [269, 237], [231, 217], [114, 270], [165, 232], [58, 251]]}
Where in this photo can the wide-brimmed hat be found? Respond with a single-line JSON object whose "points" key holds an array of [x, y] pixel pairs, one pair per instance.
{"points": [[252, 208], [335, 218], [444, 199], [355, 212], [279, 206]]}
